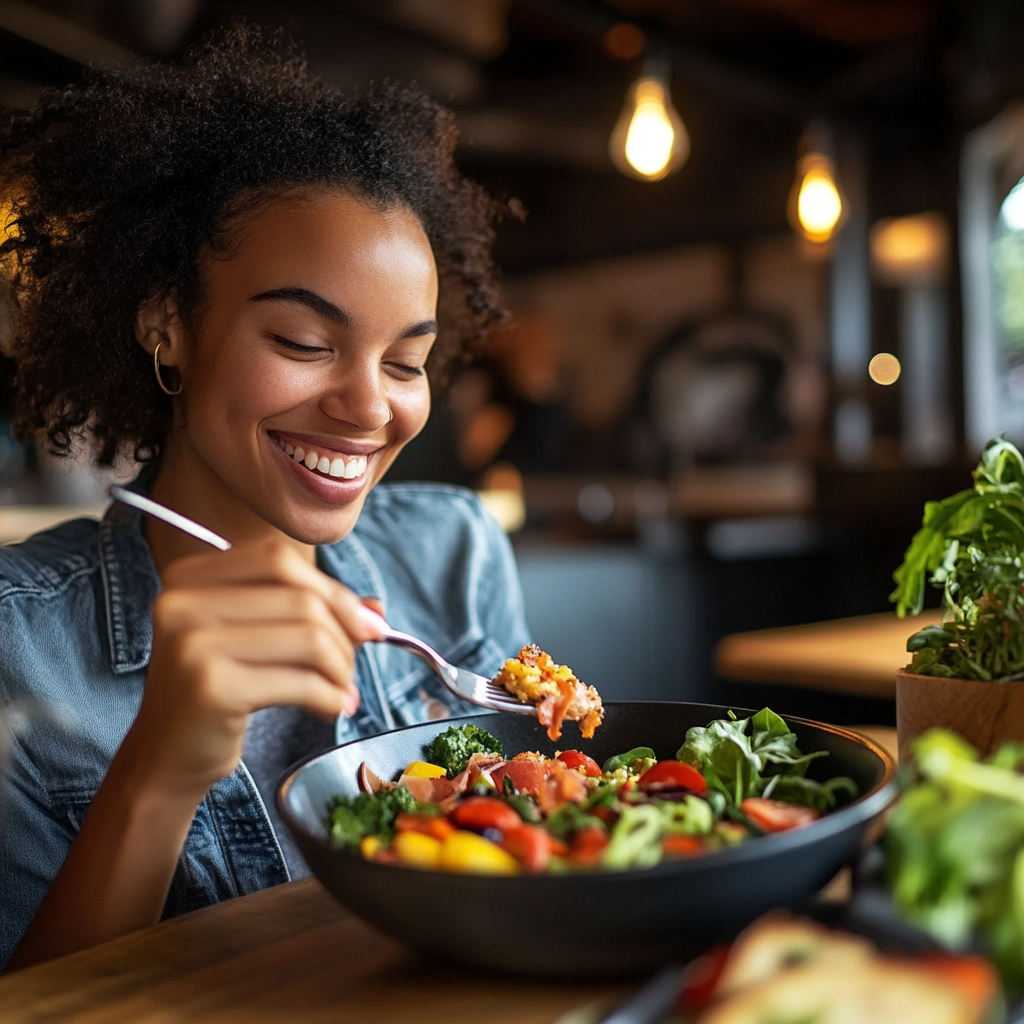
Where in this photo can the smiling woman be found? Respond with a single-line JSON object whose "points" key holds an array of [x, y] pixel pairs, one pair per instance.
{"points": [[247, 284]]}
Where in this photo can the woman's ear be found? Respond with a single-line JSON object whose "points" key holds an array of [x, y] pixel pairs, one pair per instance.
{"points": [[159, 321]]}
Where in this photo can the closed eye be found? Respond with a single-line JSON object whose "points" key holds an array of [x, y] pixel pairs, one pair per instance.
{"points": [[294, 346], [412, 371]]}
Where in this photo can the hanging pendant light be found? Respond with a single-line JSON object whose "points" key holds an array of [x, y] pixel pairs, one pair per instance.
{"points": [[649, 141], [816, 207]]}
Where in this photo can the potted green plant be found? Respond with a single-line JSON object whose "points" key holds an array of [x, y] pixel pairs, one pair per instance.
{"points": [[966, 672]]}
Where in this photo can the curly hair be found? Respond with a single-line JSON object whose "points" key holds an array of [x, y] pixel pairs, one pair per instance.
{"points": [[121, 183]]}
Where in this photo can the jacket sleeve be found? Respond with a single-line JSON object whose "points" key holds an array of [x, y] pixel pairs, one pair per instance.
{"points": [[33, 844]]}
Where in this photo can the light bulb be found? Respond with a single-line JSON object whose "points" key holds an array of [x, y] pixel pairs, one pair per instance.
{"points": [[816, 206], [650, 140]]}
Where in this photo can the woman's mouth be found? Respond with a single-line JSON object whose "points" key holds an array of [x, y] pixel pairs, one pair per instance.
{"points": [[334, 464]]}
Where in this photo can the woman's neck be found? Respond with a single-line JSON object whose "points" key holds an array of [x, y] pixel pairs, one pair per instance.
{"points": [[185, 483]]}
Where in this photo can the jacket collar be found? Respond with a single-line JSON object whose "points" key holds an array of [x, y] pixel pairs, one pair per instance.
{"points": [[130, 585]]}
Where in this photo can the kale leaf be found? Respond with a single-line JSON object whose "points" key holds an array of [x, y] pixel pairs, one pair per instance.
{"points": [[349, 818], [453, 748]]}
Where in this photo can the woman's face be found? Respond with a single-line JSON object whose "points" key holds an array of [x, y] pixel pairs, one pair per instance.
{"points": [[304, 376]]}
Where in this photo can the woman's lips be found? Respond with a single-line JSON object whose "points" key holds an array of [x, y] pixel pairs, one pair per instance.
{"points": [[334, 464], [335, 489]]}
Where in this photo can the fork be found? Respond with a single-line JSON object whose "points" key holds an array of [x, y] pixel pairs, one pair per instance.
{"points": [[468, 685]]}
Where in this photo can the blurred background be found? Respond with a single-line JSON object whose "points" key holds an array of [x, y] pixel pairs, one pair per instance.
{"points": [[766, 292]]}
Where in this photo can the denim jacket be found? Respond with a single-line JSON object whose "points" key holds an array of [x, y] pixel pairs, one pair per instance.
{"points": [[75, 639]]}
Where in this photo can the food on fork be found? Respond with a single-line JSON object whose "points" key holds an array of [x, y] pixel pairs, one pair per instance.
{"points": [[534, 678]]}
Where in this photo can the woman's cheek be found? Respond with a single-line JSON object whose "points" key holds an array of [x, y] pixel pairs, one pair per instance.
{"points": [[411, 408]]}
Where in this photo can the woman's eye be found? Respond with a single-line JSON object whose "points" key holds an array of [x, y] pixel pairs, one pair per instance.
{"points": [[294, 346], [411, 371]]}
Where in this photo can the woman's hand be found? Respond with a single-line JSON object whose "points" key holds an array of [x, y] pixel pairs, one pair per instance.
{"points": [[234, 632]]}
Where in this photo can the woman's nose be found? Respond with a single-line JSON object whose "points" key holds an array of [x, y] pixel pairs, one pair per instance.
{"points": [[359, 397]]}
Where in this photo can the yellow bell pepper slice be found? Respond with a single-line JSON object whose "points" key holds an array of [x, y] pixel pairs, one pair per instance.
{"points": [[370, 846], [468, 853], [417, 850], [423, 770]]}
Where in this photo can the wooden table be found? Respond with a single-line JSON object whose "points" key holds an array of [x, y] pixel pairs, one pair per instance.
{"points": [[20, 521], [858, 655], [285, 954]]}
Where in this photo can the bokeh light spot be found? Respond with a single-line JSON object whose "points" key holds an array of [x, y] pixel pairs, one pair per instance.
{"points": [[884, 368]]}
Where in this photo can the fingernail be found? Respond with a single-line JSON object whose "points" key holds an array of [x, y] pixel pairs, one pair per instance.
{"points": [[371, 620]]}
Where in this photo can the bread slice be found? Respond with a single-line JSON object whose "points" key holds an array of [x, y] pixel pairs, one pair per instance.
{"points": [[871, 991], [779, 941]]}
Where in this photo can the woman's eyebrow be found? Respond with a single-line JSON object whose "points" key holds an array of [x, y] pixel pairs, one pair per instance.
{"points": [[321, 306], [418, 330]]}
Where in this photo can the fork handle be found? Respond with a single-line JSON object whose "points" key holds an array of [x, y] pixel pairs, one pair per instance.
{"points": [[416, 646]]}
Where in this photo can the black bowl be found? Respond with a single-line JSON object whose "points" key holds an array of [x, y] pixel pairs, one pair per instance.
{"points": [[593, 924]]}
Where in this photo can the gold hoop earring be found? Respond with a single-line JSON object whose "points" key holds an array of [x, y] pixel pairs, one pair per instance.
{"points": [[156, 369]]}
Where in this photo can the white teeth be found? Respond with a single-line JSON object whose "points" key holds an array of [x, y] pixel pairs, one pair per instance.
{"points": [[348, 467]]}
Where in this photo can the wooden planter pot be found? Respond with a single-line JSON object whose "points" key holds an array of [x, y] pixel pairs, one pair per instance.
{"points": [[985, 714]]}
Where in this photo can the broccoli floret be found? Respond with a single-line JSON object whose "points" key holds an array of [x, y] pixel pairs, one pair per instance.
{"points": [[457, 744], [370, 814]]}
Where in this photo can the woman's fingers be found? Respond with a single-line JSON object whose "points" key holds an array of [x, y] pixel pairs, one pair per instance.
{"points": [[190, 607], [274, 563], [272, 686], [299, 648]]}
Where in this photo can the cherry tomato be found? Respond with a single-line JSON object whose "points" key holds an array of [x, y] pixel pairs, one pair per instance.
{"points": [[428, 825], [575, 759], [530, 845], [776, 815], [587, 845], [672, 775], [682, 846], [482, 812]]}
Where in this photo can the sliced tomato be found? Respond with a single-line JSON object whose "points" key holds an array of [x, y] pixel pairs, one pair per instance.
{"points": [[672, 775], [478, 813], [777, 815], [526, 775], [438, 827], [530, 845], [682, 846], [576, 759], [588, 844]]}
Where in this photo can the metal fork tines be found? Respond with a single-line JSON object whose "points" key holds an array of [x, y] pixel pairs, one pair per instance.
{"points": [[463, 683]]}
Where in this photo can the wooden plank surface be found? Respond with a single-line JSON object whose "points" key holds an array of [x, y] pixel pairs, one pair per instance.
{"points": [[17, 522], [285, 954], [858, 655]]}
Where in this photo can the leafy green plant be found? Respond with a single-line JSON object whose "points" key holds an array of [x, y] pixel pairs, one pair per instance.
{"points": [[955, 848], [971, 545]]}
